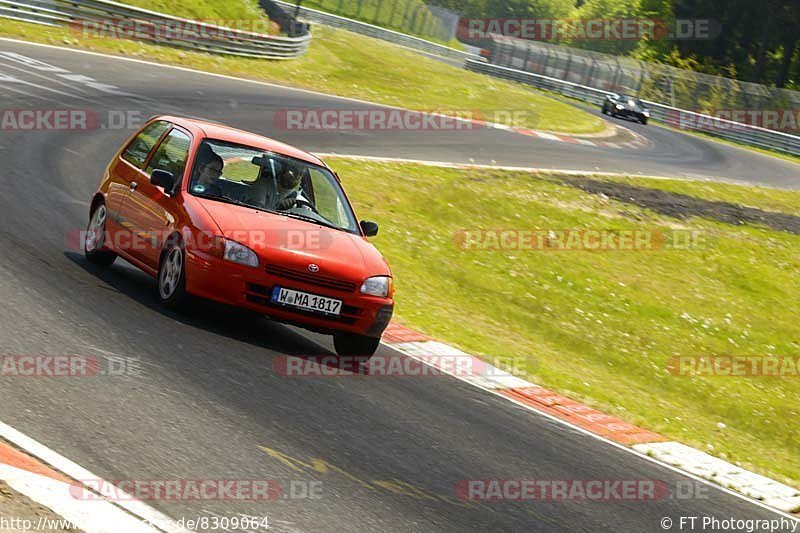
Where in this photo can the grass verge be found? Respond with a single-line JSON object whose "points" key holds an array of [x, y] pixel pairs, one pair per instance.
{"points": [[601, 326], [346, 64]]}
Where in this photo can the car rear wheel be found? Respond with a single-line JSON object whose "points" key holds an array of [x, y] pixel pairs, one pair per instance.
{"points": [[355, 345], [172, 276], [94, 240]]}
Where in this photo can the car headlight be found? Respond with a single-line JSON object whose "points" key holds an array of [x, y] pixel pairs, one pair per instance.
{"points": [[377, 286], [646, 113], [239, 253], [620, 107]]}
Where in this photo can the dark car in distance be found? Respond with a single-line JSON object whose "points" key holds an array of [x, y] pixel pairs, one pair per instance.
{"points": [[621, 105]]}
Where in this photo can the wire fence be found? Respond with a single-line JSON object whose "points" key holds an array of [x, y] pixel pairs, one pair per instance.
{"points": [[408, 16], [92, 15], [652, 81]]}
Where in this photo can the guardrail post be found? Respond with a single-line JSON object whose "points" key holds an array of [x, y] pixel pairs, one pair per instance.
{"points": [[527, 57], [569, 65], [641, 79], [546, 61], [589, 74]]}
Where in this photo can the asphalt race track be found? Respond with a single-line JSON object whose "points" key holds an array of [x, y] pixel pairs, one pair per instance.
{"points": [[208, 401]]}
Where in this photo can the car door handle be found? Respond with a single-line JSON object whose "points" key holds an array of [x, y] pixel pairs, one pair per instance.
{"points": [[134, 185]]}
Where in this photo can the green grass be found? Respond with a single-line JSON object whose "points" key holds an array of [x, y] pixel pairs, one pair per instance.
{"points": [[205, 9], [408, 16], [601, 326], [343, 63]]}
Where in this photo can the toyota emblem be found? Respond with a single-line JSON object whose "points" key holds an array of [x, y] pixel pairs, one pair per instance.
{"points": [[313, 268]]}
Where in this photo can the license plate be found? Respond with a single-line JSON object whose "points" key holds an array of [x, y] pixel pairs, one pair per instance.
{"points": [[306, 301]]}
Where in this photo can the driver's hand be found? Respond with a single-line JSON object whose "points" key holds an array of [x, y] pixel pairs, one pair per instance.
{"points": [[286, 203]]}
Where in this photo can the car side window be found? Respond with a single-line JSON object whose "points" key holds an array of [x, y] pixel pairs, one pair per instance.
{"points": [[137, 151], [171, 154]]}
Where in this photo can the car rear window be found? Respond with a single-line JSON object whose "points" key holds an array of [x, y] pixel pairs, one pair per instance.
{"points": [[171, 154], [137, 151]]}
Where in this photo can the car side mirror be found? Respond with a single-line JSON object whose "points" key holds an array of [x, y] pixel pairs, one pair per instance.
{"points": [[163, 178], [370, 229]]}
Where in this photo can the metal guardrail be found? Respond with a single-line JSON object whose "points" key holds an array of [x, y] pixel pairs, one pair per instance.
{"points": [[679, 118], [155, 27], [402, 39]]}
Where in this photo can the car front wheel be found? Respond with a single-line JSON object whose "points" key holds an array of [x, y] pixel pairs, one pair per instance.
{"points": [[355, 345], [172, 276], [94, 241]]}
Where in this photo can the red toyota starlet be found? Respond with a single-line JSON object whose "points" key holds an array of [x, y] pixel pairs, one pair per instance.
{"points": [[219, 213]]}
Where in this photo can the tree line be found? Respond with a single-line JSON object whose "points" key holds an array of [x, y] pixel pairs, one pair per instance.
{"points": [[749, 40]]}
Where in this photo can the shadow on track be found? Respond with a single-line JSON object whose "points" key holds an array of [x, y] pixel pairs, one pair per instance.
{"points": [[232, 322]]}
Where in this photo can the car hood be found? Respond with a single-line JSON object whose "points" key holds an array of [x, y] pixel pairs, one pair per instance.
{"points": [[632, 107], [292, 243]]}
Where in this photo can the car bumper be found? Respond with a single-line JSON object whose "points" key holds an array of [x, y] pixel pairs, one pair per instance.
{"points": [[631, 114], [250, 288]]}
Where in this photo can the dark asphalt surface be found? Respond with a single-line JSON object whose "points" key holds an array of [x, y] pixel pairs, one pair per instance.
{"points": [[207, 400]]}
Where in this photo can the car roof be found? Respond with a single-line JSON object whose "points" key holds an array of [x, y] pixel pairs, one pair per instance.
{"points": [[220, 132]]}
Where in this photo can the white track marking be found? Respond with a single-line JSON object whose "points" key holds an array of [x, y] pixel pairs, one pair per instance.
{"points": [[14, 79], [31, 95], [50, 78], [89, 516], [621, 447], [77, 472]]}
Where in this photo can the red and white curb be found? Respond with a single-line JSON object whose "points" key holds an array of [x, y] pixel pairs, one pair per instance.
{"points": [[638, 141], [683, 458], [46, 477]]}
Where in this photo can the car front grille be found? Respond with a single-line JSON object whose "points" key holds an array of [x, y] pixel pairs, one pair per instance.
{"points": [[312, 279]]}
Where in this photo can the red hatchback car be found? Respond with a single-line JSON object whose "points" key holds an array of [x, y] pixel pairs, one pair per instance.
{"points": [[222, 214]]}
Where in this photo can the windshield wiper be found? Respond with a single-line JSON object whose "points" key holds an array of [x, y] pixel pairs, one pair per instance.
{"points": [[229, 200], [310, 219]]}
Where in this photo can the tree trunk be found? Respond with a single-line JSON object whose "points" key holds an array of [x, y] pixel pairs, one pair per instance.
{"points": [[786, 64], [761, 58]]}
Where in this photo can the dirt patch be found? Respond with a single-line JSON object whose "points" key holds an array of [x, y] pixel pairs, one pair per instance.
{"points": [[682, 206], [18, 513]]}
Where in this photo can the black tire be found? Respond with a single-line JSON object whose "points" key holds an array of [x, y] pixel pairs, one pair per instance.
{"points": [[643, 121], [171, 281], [350, 344], [94, 248]]}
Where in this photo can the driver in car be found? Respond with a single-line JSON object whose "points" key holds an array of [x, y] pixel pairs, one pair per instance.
{"points": [[209, 169], [289, 193]]}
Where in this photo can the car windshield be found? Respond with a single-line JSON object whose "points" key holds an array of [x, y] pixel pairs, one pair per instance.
{"points": [[272, 182], [630, 100]]}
